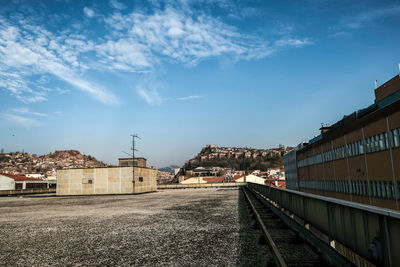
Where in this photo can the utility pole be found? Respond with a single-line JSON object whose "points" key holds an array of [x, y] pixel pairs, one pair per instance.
{"points": [[133, 155]]}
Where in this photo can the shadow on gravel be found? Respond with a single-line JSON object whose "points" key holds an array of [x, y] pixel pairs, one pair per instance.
{"points": [[251, 252]]}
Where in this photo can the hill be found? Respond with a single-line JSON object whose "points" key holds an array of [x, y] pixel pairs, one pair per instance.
{"points": [[238, 158], [170, 169], [23, 163]]}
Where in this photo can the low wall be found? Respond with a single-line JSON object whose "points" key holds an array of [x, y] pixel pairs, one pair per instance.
{"points": [[354, 229], [27, 191], [211, 185]]}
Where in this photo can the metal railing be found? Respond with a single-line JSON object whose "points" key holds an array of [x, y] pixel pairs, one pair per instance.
{"points": [[364, 234]]}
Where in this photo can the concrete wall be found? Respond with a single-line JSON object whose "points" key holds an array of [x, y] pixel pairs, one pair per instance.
{"points": [[6, 183], [116, 180], [27, 191]]}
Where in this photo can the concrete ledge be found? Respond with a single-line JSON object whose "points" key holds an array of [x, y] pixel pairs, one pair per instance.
{"points": [[27, 191], [212, 185]]}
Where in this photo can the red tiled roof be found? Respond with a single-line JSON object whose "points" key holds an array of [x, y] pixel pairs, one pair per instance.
{"points": [[17, 177], [214, 179], [236, 177]]}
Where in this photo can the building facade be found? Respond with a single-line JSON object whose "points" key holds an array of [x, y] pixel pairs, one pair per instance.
{"points": [[113, 180], [356, 159]]}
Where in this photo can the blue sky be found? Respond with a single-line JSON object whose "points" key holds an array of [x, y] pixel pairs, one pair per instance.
{"points": [[182, 74]]}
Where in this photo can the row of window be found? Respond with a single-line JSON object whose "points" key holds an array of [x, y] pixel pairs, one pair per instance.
{"points": [[371, 144], [379, 189]]}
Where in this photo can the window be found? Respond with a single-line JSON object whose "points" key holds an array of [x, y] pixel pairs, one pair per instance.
{"points": [[140, 179], [378, 189], [383, 188], [87, 181], [386, 141], [376, 143], [382, 143], [389, 190], [372, 186], [360, 147], [364, 188], [395, 137]]}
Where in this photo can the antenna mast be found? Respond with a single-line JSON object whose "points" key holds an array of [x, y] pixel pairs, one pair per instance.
{"points": [[133, 155]]}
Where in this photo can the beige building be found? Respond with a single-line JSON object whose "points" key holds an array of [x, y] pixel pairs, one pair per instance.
{"points": [[114, 180], [251, 178]]}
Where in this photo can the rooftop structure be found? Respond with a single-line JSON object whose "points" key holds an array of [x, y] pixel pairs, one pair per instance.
{"points": [[128, 162], [112, 180]]}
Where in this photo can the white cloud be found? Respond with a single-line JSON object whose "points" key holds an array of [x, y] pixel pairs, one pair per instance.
{"points": [[150, 95], [362, 19], [177, 36], [23, 110], [292, 42], [135, 42], [88, 12], [117, 5], [19, 120], [27, 51], [187, 98]]}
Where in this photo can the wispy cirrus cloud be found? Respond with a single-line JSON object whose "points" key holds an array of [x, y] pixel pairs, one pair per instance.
{"points": [[177, 36], [89, 12], [361, 19], [187, 98], [23, 110], [151, 96], [292, 42], [118, 5], [27, 51], [139, 41], [19, 120]]}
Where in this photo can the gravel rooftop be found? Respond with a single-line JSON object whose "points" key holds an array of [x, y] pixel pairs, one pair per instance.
{"points": [[190, 227]]}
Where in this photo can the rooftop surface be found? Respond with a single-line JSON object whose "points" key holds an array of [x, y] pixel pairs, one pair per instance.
{"points": [[197, 227]]}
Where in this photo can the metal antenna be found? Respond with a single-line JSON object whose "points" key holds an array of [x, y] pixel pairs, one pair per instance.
{"points": [[133, 155]]}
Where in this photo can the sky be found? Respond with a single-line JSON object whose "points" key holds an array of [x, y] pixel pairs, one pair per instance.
{"points": [[183, 74]]}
